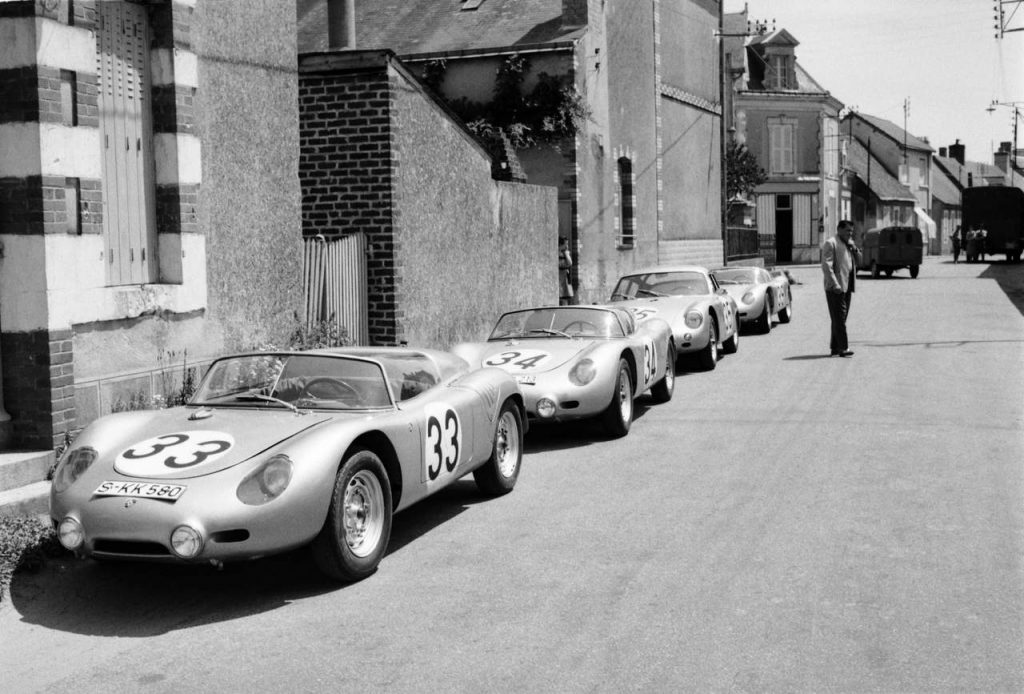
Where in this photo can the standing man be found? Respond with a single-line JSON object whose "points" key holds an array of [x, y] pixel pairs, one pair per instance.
{"points": [[564, 277], [839, 257], [955, 238]]}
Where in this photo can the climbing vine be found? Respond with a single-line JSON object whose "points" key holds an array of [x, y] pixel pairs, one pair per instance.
{"points": [[550, 112]]}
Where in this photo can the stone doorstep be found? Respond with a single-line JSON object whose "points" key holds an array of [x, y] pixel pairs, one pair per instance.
{"points": [[28, 500], [20, 468]]}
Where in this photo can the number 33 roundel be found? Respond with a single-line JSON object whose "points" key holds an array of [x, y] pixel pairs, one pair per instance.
{"points": [[443, 444], [171, 454]]}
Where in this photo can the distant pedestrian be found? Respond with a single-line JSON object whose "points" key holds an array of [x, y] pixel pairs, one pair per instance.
{"points": [[982, 235], [955, 240], [839, 258], [565, 293]]}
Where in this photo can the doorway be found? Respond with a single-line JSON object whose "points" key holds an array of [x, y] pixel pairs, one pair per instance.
{"points": [[783, 229]]}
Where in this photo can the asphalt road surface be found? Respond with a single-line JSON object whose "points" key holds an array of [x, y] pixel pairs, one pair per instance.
{"points": [[788, 522]]}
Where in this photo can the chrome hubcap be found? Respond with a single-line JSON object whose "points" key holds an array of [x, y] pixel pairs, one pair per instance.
{"points": [[625, 398], [507, 444], [364, 513]]}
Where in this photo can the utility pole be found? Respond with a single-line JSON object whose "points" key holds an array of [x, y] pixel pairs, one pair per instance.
{"points": [[1005, 14], [1016, 116]]}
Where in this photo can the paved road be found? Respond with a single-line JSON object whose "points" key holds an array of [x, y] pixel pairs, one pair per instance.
{"points": [[788, 522]]}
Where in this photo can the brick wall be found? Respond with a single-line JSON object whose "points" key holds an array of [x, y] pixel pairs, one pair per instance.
{"points": [[448, 247], [38, 377]]}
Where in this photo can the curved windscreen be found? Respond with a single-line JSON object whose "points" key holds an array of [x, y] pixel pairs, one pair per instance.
{"points": [[650, 284], [559, 321], [297, 380]]}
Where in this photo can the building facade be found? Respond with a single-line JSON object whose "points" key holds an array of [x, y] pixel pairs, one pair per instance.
{"points": [[149, 199]]}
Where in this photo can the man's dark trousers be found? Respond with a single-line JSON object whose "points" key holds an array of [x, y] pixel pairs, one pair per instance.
{"points": [[838, 307]]}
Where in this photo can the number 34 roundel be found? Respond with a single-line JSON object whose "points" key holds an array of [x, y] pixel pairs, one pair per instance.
{"points": [[443, 442]]}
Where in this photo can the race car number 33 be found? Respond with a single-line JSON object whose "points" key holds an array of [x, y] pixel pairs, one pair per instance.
{"points": [[170, 454], [443, 445]]}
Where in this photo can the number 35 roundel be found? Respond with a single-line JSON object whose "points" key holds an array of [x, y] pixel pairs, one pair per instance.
{"points": [[171, 454], [443, 442]]}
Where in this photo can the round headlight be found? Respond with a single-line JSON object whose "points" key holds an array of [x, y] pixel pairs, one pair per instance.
{"points": [[694, 319], [70, 533], [583, 372], [747, 298], [71, 468], [545, 408], [186, 542], [267, 482]]}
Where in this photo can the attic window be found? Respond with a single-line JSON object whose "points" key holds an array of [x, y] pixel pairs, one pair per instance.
{"points": [[471, 4]]}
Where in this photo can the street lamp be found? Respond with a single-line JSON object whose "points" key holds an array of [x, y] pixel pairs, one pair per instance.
{"points": [[1016, 114]]}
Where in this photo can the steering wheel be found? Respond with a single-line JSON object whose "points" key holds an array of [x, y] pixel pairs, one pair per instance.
{"points": [[581, 326], [327, 388]]}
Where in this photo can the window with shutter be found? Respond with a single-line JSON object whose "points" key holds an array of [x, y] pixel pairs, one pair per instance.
{"points": [[129, 213], [781, 140]]}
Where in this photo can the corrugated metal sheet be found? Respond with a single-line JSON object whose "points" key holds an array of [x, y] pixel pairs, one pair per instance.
{"points": [[802, 220], [334, 277], [766, 215]]}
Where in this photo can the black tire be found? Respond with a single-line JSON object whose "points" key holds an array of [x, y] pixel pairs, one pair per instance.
{"points": [[663, 389], [764, 321], [352, 543], [499, 474], [732, 345], [874, 270], [786, 314], [889, 271], [708, 357], [618, 416], [914, 269]]}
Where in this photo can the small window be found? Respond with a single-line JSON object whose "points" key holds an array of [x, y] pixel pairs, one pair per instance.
{"points": [[71, 207], [627, 204], [68, 106]]}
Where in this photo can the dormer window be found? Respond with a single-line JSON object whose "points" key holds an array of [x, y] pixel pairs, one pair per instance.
{"points": [[781, 74]]}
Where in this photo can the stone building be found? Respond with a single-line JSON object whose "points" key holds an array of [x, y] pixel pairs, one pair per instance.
{"points": [[640, 180], [149, 198]]}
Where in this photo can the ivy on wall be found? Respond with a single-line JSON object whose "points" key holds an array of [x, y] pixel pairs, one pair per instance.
{"points": [[548, 114]]}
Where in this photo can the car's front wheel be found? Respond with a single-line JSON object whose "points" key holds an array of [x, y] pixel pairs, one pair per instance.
{"points": [[618, 416], [358, 526], [663, 389], [708, 357], [499, 474]]}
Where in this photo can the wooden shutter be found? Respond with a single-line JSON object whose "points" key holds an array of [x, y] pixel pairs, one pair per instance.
{"points": [[801, 220], [126, 138]]}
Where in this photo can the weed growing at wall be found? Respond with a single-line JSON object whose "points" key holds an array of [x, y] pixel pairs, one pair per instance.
{"points": [[25, 545]]}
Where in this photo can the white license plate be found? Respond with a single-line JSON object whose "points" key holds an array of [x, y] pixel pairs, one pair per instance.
{"points": [[145, 490], [526, 380]]}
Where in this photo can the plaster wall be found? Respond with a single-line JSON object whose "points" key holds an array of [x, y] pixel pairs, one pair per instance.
{"points": [[692, 172], [808, 133], [466, 248]]}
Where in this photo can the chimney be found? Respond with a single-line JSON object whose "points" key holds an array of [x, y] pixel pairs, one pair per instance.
{"points": [[1004, 147], [341, 25], [574, 13], [1001, 159], [956, 150], [942, 152]]}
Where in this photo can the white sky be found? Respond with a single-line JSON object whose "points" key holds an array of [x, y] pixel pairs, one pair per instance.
{"points": [[941, 54]]}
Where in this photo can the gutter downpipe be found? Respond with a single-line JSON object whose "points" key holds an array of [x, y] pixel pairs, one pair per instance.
{"points": [[341, 24]]}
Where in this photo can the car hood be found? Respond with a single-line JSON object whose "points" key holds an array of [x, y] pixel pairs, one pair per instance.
{"points": [[664, 307], [169, 444], [535, 355]]}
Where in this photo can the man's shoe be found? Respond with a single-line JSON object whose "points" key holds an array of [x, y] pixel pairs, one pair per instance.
{"points": [[846, 353]]}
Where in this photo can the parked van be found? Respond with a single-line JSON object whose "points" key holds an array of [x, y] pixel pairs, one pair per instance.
{"points": [[889, 249]]}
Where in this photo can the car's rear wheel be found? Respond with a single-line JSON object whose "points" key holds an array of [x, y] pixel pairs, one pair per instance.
{"points": [[358, 526], [874, 270], [663, 389], [499, 474], [618, 416], [708, 357]]}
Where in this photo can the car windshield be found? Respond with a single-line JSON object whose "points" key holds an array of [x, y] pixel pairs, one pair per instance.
{"points": [[559, 321], [308, 381], [650, 284], [736, 276]]}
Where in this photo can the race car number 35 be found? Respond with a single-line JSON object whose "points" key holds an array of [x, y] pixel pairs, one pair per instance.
{"points": [[169, 454]]}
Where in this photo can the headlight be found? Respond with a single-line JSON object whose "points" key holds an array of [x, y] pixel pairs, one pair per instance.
{"points": [[748, 298], [70, 533], [186, 542], [267, 482], [72, 467], [694, 319], [583, 372], [545, 408]]}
